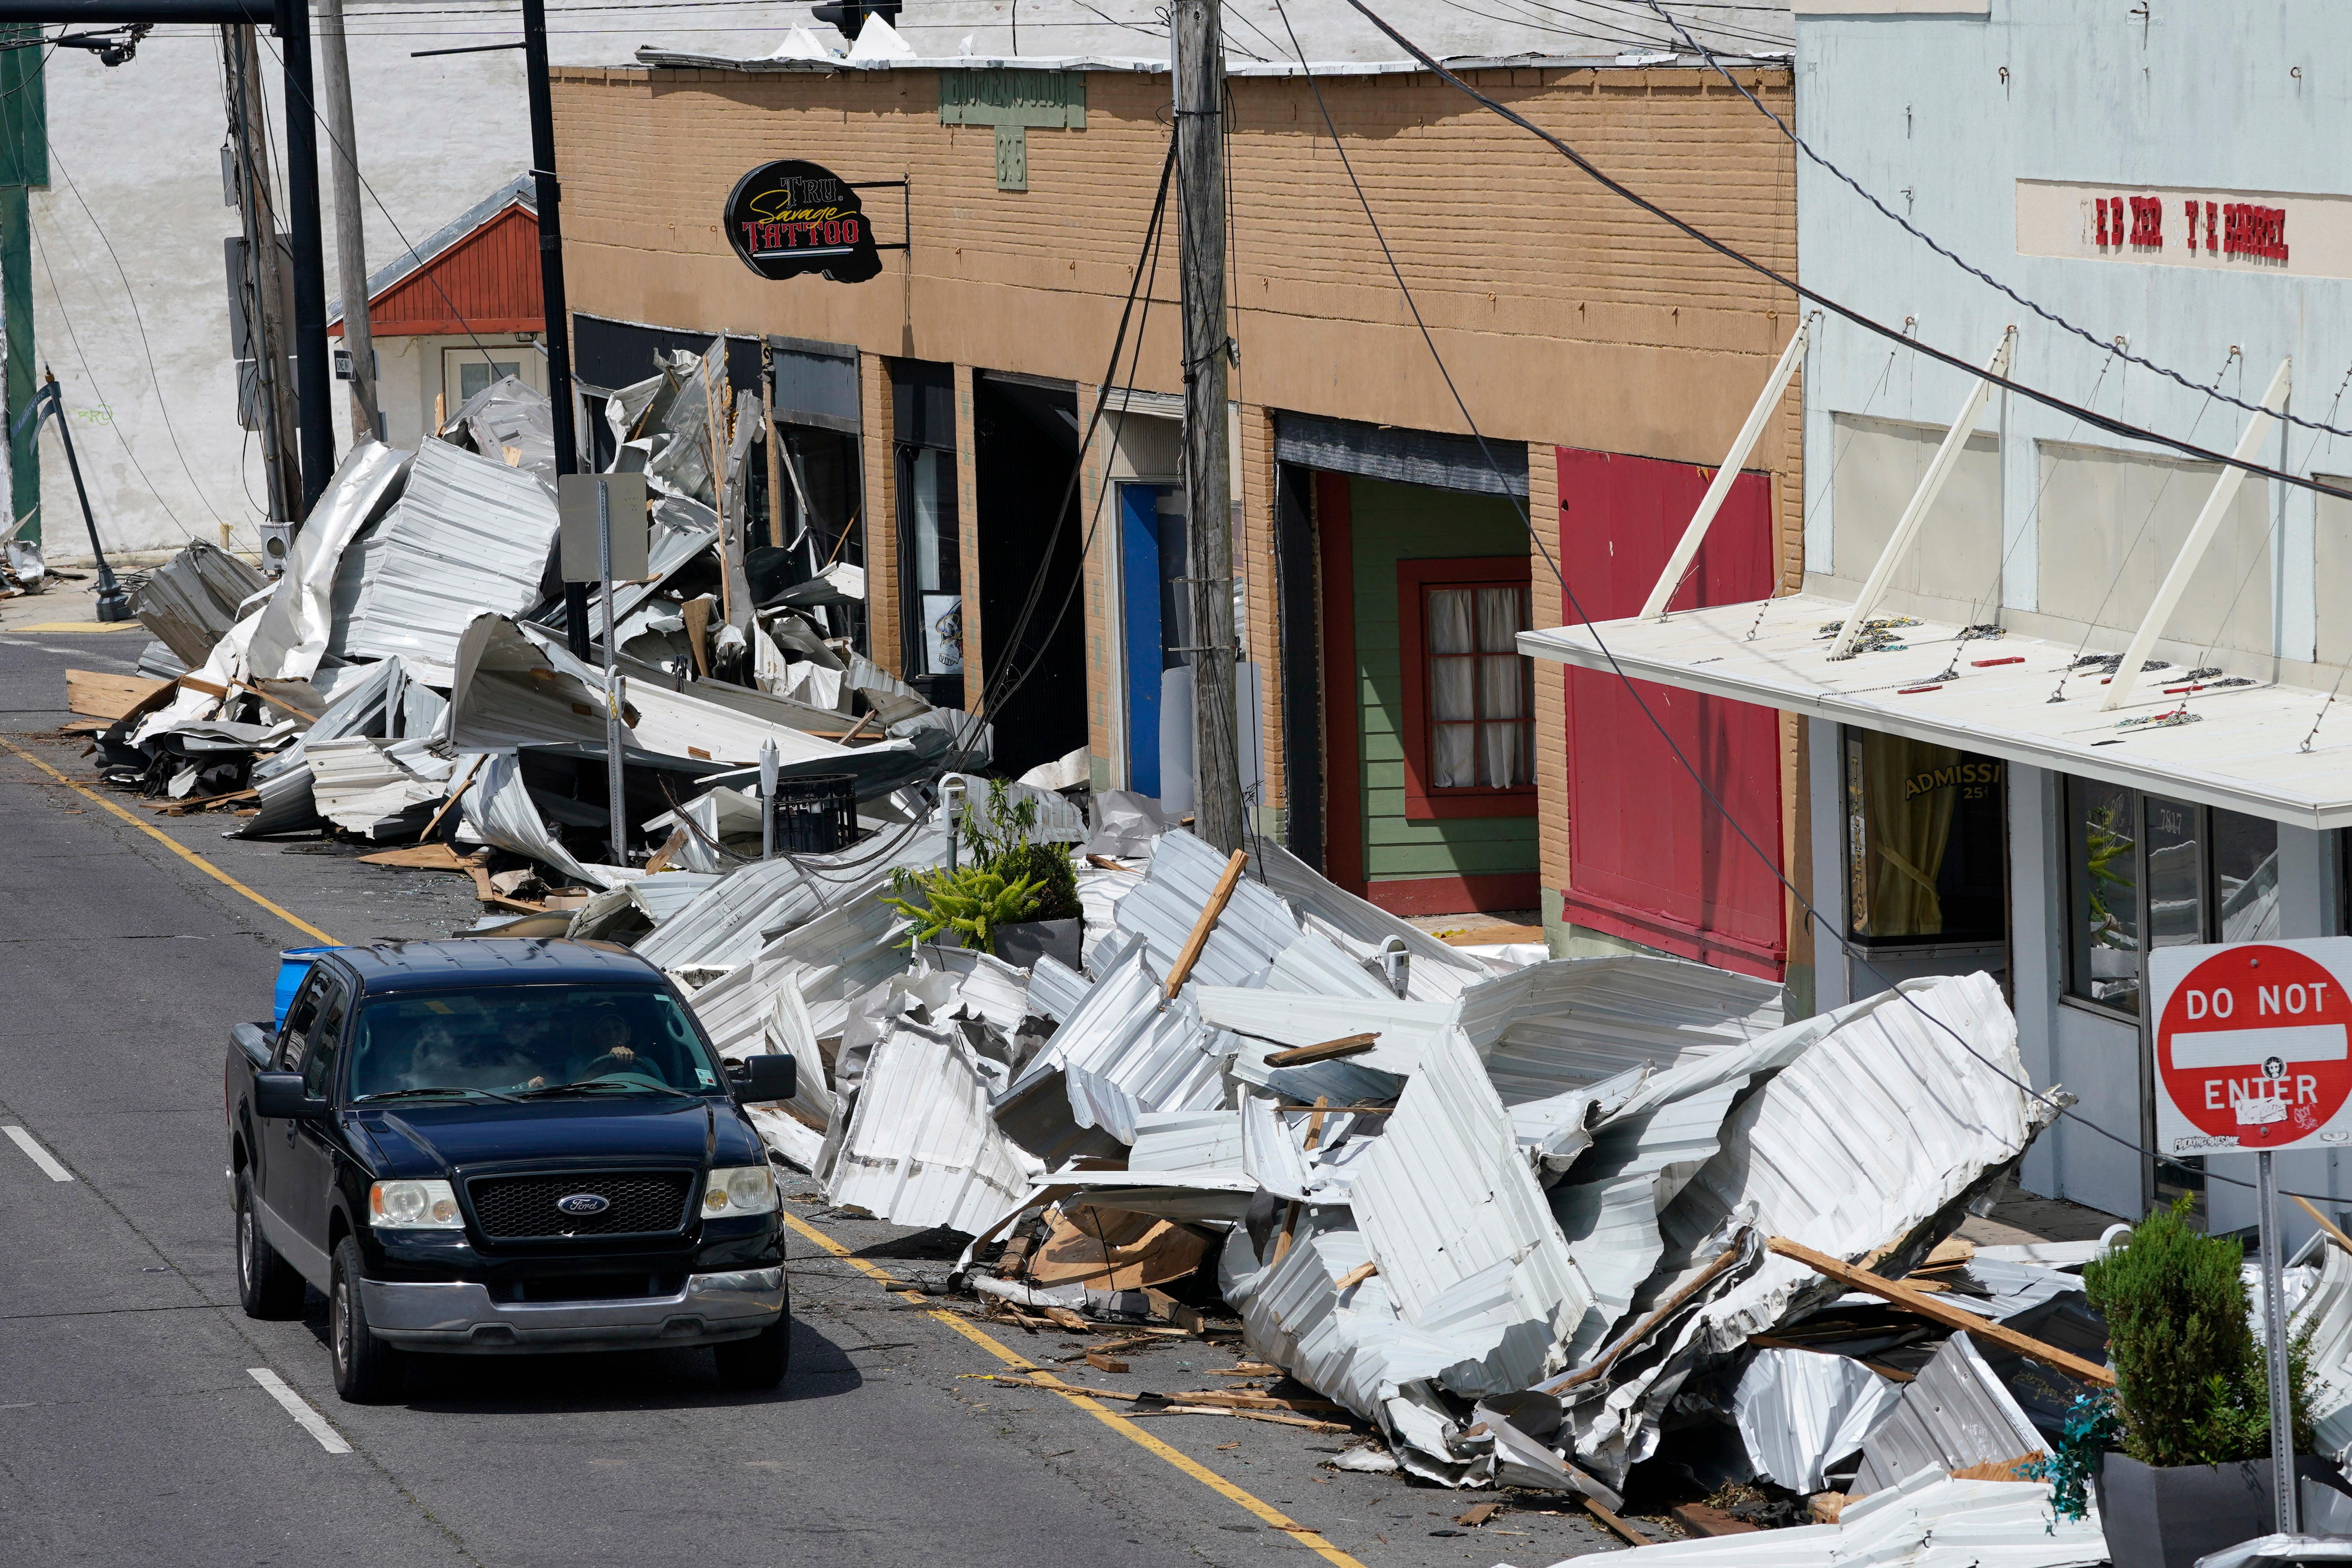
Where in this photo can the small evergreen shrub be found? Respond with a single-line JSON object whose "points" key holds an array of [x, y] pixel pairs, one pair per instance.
{"points": [[2190, 1378]]}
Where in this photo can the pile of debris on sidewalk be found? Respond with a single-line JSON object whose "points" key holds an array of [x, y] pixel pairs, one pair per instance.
{"points": [[410, 676]]}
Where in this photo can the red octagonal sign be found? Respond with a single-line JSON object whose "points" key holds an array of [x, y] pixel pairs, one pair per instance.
{"points": [[2253, 1044]]}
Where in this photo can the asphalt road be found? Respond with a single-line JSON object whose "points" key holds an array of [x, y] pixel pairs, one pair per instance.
{"points": [[133, 1430]]}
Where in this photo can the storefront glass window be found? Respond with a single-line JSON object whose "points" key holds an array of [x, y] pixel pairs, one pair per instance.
{"points": [[1926, 843], [2143, 870], [2103, 832], [934, 560]]}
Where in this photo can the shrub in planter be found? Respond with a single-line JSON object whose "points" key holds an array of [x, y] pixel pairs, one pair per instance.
{"points": [[2193, 1395], [1006, 878]]}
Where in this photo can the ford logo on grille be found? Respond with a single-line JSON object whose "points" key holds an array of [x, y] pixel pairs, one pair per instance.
{"points": [[584, 1203]]}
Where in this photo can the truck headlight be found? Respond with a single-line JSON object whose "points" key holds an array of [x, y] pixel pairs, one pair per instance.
{"points": [[740, 1190], [414, 1205]]}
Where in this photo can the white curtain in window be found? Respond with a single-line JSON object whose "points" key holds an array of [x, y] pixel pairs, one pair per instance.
{"points": [[1502, 683], [1452, 694]]}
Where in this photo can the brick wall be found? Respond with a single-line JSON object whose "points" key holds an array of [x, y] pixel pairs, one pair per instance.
{"points": [[1566, 316]]}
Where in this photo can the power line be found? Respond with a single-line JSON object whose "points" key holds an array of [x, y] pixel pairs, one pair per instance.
{"points": [[56, 296], [1924, 237], [131, 296], [1870, 323], [1714, 800]]}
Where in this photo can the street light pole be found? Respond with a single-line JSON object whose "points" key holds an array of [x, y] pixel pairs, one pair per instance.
{"points": [[557, 317]]}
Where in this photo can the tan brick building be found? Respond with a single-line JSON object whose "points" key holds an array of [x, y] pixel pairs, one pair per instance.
{"points": [[1381, 552]]}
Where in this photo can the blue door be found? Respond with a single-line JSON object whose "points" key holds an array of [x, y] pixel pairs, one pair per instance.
{"points": [[1138, 517]]}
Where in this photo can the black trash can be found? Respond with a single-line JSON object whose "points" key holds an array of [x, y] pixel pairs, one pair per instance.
{"points": [[815, 813]]}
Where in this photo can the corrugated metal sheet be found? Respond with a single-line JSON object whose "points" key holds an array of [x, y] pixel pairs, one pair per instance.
{"points": [[728, 924], [1319, 966], [1954, 1414], [2326, 1315], [1187, 1140], [299, 621], [1797, 1411], [1880, 1120], [681, 529], [1278, 1020], [1123, 1052], [1271, 1151], [1359, 927], [1576, 1021], [190, 602], [1449, 1208], [469, 536], [922, 1148], [828, 960], [356, 786], [1929, 1521], [1250, 934], [498, 809], [1055, 988]]}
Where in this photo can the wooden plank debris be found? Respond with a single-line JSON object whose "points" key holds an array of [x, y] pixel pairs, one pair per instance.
{"points": [[1103, 1361], [1617, 1524], [1951, 1317], [1219, 896], [1328, 1050], [1355, 1276], [1701, 1519], [2334, 1232], [100, 695], [434, 856], [2001, 1470]]}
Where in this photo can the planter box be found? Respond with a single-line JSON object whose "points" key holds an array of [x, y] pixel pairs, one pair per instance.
{"points": [[2168, 1516], [1020, 944]]}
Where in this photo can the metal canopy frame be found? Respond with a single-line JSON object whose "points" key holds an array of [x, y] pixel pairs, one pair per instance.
{"points": [[1931, 485], [1695, 535]]}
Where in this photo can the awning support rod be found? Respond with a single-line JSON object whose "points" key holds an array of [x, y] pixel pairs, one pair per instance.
{"points": [[1704, 518], [1931, 484], [2193, 553]]}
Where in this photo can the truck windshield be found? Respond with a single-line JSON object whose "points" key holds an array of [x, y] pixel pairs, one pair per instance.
{"points": [[511, 1039]]}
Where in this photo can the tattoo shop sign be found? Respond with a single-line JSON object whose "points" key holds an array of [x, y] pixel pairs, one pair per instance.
{"points": [[792, 216]]}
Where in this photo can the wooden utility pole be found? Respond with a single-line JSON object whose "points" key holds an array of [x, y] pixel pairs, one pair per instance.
{"points": [[269, 336], [350, 235], [1199, 73]]}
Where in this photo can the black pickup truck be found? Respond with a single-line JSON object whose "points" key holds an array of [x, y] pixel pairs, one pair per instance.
{"points": [[494, 1146]]}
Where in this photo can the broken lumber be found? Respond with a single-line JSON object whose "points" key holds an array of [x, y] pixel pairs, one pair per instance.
{"points": [[1951, 1317], [2335, 1234], [1700, 1520], [463, 785], [1103, 1361], [1219, 896], [1355, 1276], [1328, 1050], [110, 696], [1617, 1524], [430, 857], [2001, 1470]]}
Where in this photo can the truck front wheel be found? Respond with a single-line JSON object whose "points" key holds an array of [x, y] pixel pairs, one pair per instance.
{"points": [[758, 1362], [266, 1285], [367, 1370]]}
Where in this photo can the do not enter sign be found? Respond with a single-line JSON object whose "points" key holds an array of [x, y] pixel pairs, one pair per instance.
{"points": [[2253, 1044]]}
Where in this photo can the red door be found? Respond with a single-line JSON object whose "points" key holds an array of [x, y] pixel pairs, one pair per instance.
{"points": [[1651, 859]]}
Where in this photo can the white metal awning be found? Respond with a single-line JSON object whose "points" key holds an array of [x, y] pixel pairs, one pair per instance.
{"points": [[2238, 747]]}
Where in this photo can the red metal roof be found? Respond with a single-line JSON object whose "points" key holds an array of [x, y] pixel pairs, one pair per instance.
{"points": [[485, 282]]}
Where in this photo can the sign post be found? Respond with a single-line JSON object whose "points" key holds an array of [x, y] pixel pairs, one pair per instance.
{"points": [[2254, 1052], [607, 510]]}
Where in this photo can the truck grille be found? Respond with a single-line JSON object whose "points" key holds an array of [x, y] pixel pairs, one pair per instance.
{"points": [[512, 1209]]}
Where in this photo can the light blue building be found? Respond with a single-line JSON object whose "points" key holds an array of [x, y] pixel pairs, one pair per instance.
{"points": [[2170, 179]]}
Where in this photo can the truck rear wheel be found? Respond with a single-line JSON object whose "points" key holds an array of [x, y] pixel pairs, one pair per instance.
{"points": [[266, 1285], [367, 1370], [759, 1361]]}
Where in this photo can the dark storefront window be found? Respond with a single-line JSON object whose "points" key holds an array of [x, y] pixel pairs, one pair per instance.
{"points": [[2147, 872], [1927, 843], [930, 560]]}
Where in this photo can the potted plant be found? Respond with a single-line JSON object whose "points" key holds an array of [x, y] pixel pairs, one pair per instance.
{"points": [[2193, 1474], [1009, 895]]}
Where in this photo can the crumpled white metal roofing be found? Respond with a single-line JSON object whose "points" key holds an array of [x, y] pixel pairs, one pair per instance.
{"points": [[1930, 1520], [469, 536], [728, 924], [2245, 751], [2326, 1315], [1797, 1411], [1249, 935], [922, 1148], [1552, 1026], [1957, 1412], [299, 622], [1123, 1052]]}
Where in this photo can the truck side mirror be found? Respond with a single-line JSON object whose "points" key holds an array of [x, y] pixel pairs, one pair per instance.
{"points": [[278, 1096], [758, 1079]]}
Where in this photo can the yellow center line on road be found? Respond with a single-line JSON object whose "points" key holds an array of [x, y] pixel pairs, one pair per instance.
{"points": [[1117, 1422], [173, 844]]}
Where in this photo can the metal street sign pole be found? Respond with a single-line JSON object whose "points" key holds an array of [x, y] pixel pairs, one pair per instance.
{"points": [[2275, 1348], [620, 823], [768, 761]]}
